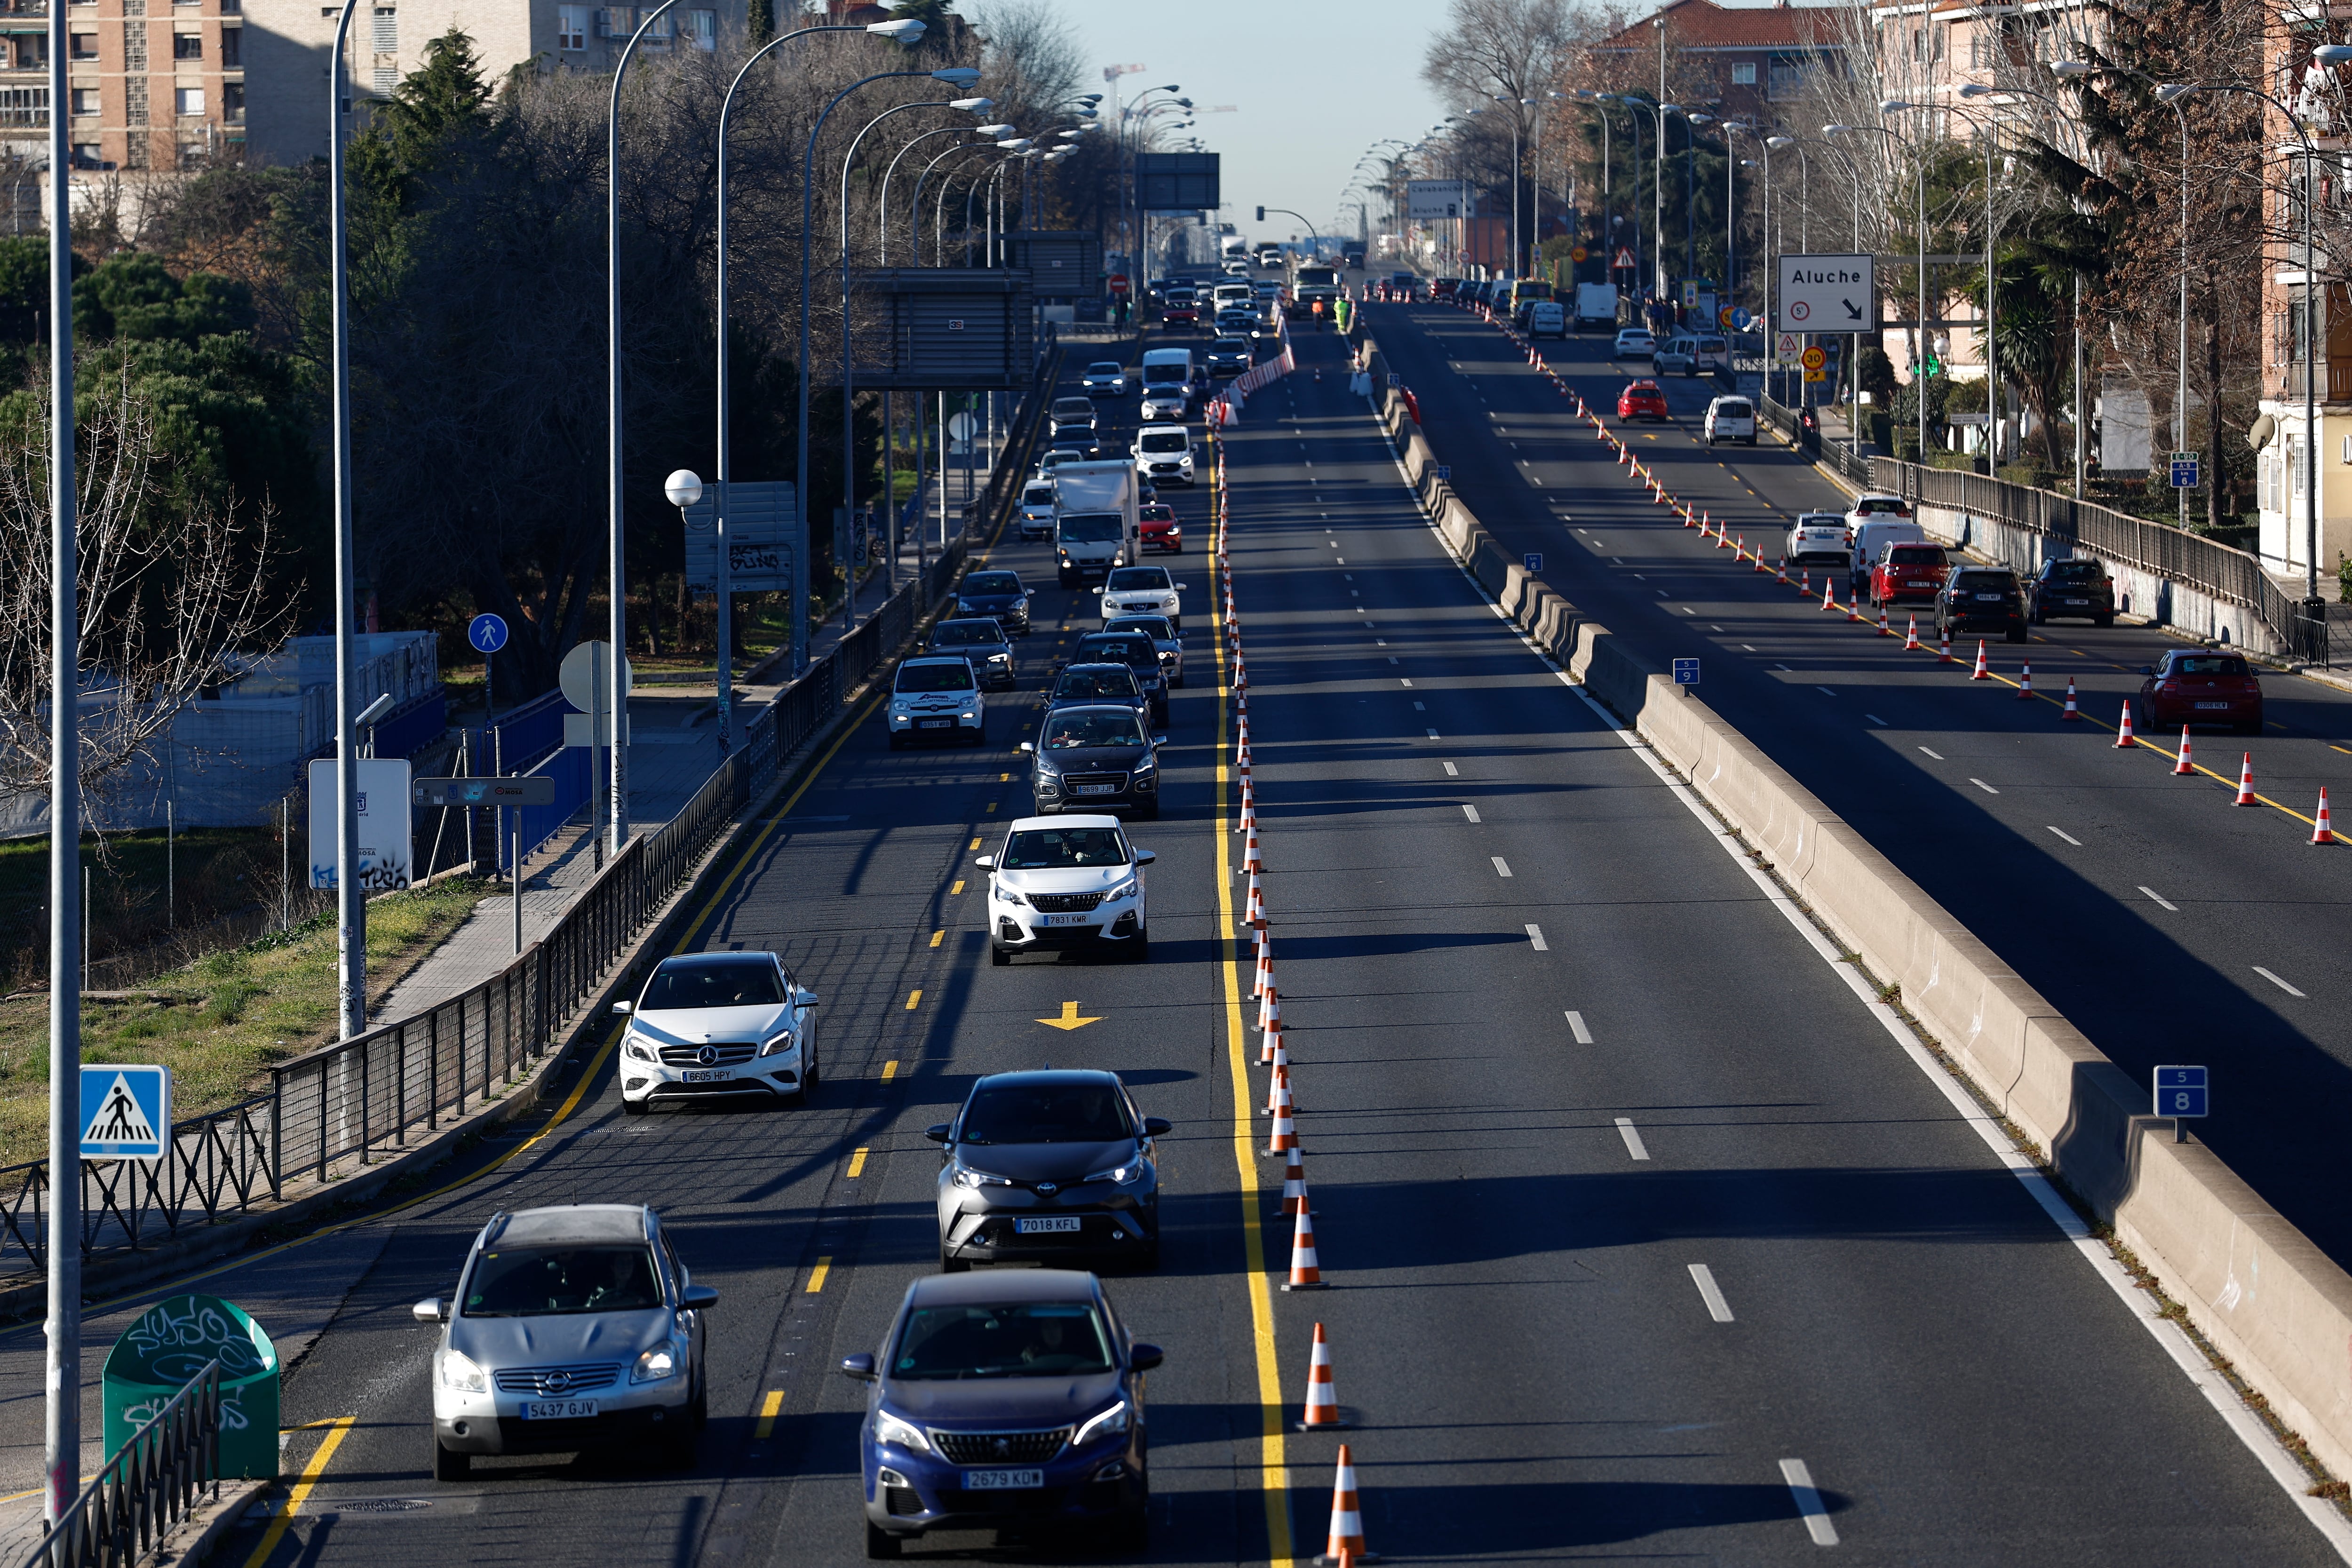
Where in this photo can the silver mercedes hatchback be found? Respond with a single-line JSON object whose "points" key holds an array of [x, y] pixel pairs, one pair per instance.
{"points": [[574, 1328]]}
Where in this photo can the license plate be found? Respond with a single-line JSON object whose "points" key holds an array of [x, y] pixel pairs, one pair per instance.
{"points": [[934, 723], [1002, 1480], [1988, 598], [1069, 920], [1092, 789], [709, 1075], [557, 1409], [2206, 706], [1923, 584], [1050, 1225], [2078, 601]]}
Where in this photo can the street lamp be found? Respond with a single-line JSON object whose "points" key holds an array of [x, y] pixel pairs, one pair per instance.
{"points": [[1992, 371], [1920, 359]]}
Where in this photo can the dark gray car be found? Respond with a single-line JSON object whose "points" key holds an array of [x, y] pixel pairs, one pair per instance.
{"points": [[980, 639], [1045, 1166], [1095, 758]]}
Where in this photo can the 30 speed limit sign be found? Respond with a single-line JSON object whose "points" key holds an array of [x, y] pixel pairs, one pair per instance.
{"points": [[1813, 358]]}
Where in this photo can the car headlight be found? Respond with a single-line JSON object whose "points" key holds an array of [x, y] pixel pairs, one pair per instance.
{"points": [[459, 1371], [1111, 1423], [888, 1428], [965, 1176], [1125, 889], [641, 1049], [963, 606], [782, 1042], [1009, 895], [655, 1362], [1125, 1175]]}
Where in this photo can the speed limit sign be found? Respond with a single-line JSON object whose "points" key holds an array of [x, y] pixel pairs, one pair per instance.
{"points": [[1576, 253], [1813, 358]]}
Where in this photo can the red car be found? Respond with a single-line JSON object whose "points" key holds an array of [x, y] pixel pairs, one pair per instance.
{"points": [[1181, 311], [1641, 399], [1160, 528], [1908, 572], [2195, 686]]}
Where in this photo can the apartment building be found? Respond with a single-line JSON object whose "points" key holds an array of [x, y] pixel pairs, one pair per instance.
{"points": [[151, 84], [288, 43], [1749, 56]]}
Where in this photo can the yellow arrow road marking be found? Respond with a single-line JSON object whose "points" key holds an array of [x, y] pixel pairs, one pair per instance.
{"points": [[1069, 1019]]}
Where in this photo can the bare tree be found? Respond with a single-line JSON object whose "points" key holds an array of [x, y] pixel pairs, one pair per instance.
{"points": [[1497, 58], [1031, 61]]}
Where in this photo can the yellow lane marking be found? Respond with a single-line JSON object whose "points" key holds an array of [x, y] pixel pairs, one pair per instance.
{"points": [[890, 1070], [1274, 1482], [914, 998], [1004, 778], [817, 1276], [936, 937], [769, 1405], [975, 843], [991, 806], [956, 891], [305, 1426], [1069, 1019], [301, 1492], [857, 1164], [2334, 747]]}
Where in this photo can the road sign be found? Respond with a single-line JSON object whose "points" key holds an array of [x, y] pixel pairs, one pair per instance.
{"points": [[529, 789], [1435, 200], [1119, 282], [1623, 258], [1533, 560], [583, 673], [1787, 346], [487, 633], [1827, 293], [385, 843], [761, 517], [2181, 1092], [2184, 471], [962, 425], [1813, 358], [1577, 253], [1686, 672], [126, 1111], [1817, 375]]}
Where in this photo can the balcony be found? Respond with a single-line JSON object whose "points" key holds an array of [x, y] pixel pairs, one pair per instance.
{"points": [[2336, 388]]}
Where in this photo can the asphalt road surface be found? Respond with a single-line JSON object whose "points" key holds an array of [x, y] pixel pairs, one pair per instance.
{"points": [[1645, 1237]]}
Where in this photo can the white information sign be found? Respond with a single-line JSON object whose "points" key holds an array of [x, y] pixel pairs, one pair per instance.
{"points": [[385, 861], [1827, 294], [1426, 199]]}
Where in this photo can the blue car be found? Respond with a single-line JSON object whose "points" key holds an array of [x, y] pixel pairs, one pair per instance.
{"points": [[1005, 1401]]}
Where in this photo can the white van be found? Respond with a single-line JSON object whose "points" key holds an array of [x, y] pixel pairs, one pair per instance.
{"points": [[1038, 509], [1731, 418], [1547, 319], [1170, 377], [1873, 534]]}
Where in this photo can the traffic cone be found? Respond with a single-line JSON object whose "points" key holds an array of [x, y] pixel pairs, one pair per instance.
{"points": [[1781, 573], [1251, 860], [2320, 832], [2246, 783], [1269, 1006], [1911, 636], [1983, 671], [1294, 1182], [1884, 629], [2182, 764], [1322, 1396], [1241, 672], [2025, 683], [1278, 1097], [1270, 1044], [1944, 634], [1305, 1273], [1255, 913], [2123, 732], [1264, 977], [1805, 581], [1854, 607], [1829, 600], [1285, 1131], [1346, 1543]]}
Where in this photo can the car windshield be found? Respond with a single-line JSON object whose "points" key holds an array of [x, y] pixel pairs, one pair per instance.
{"points": [[1035, 495], [1093, 528], [2077, 571], [965, 633], [1128, 650], [1166, 441], [995, 582], [1157, 374], [1984, 582], [940, 676], [1733, 411], [1870, 506], [1044, 1110], [1114, 681], [1073, 408], [1158, 511], [2211, 665], [1062, 848], [1024, 1338], [1231, 346], [1103, 367], [1068, 732], [1135, 579], [1917, 555], [750, 982], [543, 1281], [1153, 626]]}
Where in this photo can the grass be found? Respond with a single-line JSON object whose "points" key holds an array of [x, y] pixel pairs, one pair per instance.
{"points": [[215, 870], [222, 1021]]}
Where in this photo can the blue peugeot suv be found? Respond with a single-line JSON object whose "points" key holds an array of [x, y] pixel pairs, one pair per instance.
{"points": [[1004, 1401]]}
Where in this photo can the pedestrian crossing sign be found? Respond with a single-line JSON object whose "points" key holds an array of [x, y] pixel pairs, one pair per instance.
{"points": [[126, 1111]]}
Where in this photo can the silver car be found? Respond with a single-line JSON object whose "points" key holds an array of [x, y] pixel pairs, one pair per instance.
{"points": [[733, 1025], [572, 1328]]}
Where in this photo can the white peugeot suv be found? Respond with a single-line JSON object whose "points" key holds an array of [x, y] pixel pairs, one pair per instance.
{"points": [[1143, 590], [1067, 881], [937, 699], [717, 1023]]}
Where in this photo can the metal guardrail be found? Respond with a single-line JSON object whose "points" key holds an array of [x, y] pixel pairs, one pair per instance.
{"points": [[1842, 458], [155, 1481]]}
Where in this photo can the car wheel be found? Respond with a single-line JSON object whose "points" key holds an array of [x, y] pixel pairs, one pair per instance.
{"points": [[2105, 620], [637, 1107], [809, 1077], [2016, 634], [702, 1407], [949, 1264], [880, 1543], [450, 1464], [997, 956], [897, 741], [1133, 1531], [1141, 952], [682, 1446]]}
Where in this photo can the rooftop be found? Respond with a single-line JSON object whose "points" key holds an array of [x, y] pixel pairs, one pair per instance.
{"points": [[1703, 25]]}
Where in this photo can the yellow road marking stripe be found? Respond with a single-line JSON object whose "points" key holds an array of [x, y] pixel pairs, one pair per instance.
{"points": [[817, 1276], [956, 891], [311, 1472], [914, 997], [975, 843], [769, 1405], [890, 1070], [857, 1164], [936, 937]]}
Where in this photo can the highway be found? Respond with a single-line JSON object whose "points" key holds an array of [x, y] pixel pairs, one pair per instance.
{"points": [[1644, 1230], [2168, 924]]}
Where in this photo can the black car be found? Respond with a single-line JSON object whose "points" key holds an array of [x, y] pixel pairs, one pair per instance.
{"points": [[1089, 685], [1066, 1148], [1098, 758], [1138, 653], [1981, 599], [2080, 587], [980, 639], [1229, 356], [1074, 424], [1164, 636], [996, 595]]}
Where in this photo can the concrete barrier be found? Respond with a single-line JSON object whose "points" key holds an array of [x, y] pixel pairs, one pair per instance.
{"points": [[2268, 1300]]}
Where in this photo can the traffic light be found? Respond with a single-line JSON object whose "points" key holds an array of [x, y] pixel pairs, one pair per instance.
{"points": [[1260, 214]]}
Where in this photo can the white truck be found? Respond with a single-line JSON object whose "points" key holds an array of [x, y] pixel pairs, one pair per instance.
{"points": [[1098, 524], [1233, 246], [1596, 305]]}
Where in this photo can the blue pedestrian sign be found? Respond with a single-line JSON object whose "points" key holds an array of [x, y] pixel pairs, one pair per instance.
{"points": [[1443, 471], [1534, 560], [126, 1111], [1686, 672], [2184, 471], [2181, 1092], [487, 633]]}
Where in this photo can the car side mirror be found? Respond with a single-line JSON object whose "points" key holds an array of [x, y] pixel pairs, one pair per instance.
{"points": [[2148, 670], [805, 998], [988, 861], [1154, 1126], [429, 1311], [860, 1367], [1159, 740], [1030, 747], [1143, 1358], [623, 1009], [1097, 592], [1183, 587], [1028, 593], [698, 1298], [937, 1131], [1145, 856]]}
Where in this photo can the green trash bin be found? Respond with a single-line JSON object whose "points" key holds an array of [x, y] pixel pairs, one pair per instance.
{"points": [[158, 1354]]}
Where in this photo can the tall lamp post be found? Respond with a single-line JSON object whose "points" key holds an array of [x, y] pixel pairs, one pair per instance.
{"points": [[1992, 370], [1920, 359]]}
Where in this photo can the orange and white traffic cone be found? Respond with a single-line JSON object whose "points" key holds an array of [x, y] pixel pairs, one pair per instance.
{"points": [[2182, 764], [1983, 671], [1322, 1412], [1265, 975], [2025, 683], [1944, 637], [1854, 607], [1884, 629], [1285, 1133], [1345, 1541], [1294, 1182], [1781, 573], [1269, 1006], [2320, 832], [1278, 1097], [2246, 783], [1255, 913], [1306, 1272], [1805, 581], [1911, 636], [2071, 711], [1251, 860], [1240, 671], [1829, 595], [1270, 1044], [2124, 736]]}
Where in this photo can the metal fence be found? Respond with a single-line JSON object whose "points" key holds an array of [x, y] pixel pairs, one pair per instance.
{"points": [[1842, 458], [2232, 575], [169, 1465]]}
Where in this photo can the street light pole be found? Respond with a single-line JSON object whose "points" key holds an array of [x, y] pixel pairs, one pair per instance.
{"points": [[350, 896]]}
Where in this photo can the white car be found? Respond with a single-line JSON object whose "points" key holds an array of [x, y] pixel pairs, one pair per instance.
{"points": [[1143, 590], [1235, 267], [1634, 343], [1067, 881], [1105, 378], [937, 698], [1547, 319], [1163, 453], [1166, 404], [732, 1024], [1731, 419], [1676, 353], [1038, 510], [1817, 537], [1879, 508]]}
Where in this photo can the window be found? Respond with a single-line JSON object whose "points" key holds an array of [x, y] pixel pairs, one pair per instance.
{"points": [[387, 31], [702, 29], [232, 7], [1744, 75], [187, 100], [572, 27], [23, 106], [1937, 38], [231, 48], [1788, 77], [85, 100], [31, 51], [85, 155], [232, 102], [385, 80], [187, 46], [85, 46]]}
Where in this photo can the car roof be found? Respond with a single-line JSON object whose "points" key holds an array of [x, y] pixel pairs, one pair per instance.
{"points": [[572, 1221], [1067, 819], [1642, 383], [1821, 519], [935, 658], [1097, 664], [711, 960], [1103, 364], [1009, 1285], [989, 621], [1163, 429]]}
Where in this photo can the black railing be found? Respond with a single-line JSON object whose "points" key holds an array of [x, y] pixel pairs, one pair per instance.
{"points": [[160, 1477]]}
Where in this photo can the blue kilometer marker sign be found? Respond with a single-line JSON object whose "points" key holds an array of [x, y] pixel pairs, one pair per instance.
{"points": [[1534, 560], [1686, 672]]}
